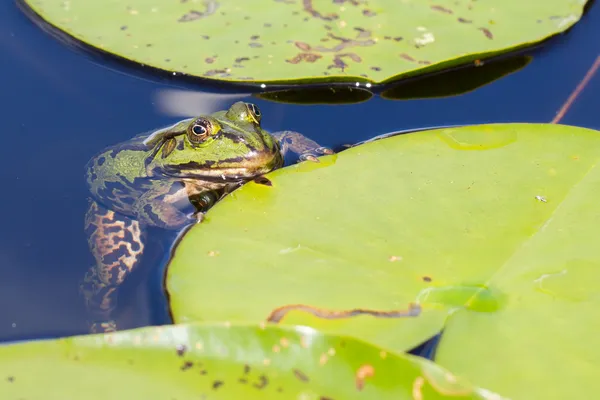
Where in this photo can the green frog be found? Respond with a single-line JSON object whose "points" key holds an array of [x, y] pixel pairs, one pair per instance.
{"points": [[169, 178]]}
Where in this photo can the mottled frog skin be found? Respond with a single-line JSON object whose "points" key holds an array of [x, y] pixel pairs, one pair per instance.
{"points": [[168, 179]]}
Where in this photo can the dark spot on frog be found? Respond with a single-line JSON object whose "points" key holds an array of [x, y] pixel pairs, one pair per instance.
{"points": [[261, 180], [246, 369], [10, 379], [255, 45], [243, 380], [167, 59], [487, 33], [398, 38], [464, 21], [181, 349], [280, 389], [209, 60], [180, 145], [427, 279], [217, 384], [376, 68], [369, 13], [300, 375], [263, 382], [149, 45], [254, 37], [187, 365], [267, 25], [203, 372], [246, 17], [101, 160], [124, 27]]}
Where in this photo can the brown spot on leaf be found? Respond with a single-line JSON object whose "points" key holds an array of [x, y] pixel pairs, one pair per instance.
{"points": [[339, 63], [279, 313], [187, 365], [308, 7], [217, 384], [181, 349], [302, 46], [488, 34], [368, 13], [364, 372], [191, 16], [300, 375], [441, 9], [263, 382], [308, 57]]}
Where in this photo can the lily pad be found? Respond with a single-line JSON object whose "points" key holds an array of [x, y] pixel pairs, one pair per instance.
{"points": [[219, 362], [287, 41], [492, 230]]}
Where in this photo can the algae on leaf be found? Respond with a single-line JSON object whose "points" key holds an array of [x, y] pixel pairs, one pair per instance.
{"points": [[219, 361], [491, 229], [275, 41]]}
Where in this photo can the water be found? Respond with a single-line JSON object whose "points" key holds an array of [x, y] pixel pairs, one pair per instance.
{"points": [[61, 107]]}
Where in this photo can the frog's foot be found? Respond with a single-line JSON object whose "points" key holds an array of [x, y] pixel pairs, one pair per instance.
{"points": [[103, 326], [311, 155], [306, 148]]}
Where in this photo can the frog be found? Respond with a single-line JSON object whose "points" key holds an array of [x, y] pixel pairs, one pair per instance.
{"points": [[169, 178]]}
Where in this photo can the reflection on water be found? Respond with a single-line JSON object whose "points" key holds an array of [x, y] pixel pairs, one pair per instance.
{"points": [[61, 108]]}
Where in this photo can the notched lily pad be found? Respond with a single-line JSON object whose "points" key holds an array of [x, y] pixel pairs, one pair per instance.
{"points": [[275, 41], [219, 361], [487, 234]]}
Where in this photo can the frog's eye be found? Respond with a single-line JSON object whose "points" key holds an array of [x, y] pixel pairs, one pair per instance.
{"points": [[254, 112], [200, 130]]}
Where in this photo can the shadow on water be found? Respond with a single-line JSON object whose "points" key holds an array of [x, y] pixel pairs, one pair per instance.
{"points": [[61, 108]]}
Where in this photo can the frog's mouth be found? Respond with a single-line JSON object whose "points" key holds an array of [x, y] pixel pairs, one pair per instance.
{"points": [[234, 169]]}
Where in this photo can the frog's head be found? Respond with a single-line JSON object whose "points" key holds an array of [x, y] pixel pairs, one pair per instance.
{"points": [[228, 145]]}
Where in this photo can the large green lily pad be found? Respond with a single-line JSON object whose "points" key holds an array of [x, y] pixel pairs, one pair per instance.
{"points": [[491, 229], [219, 362], [275, 41]]}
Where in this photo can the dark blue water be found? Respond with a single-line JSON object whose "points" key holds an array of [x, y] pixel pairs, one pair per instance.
{"points": [[60, 107]]}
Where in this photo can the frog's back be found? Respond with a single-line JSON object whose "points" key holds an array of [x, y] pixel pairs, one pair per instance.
{"points": [[116, 176]]}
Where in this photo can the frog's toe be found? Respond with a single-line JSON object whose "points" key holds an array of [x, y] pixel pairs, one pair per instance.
{"points": [[324, 150], [103, 326], [311, 155]]}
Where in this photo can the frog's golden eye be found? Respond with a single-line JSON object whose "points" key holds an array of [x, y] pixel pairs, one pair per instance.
{"points": [[254, 112], [200, 130]]}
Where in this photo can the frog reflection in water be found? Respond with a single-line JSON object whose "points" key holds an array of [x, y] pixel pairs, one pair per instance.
{"points": [[168, 179]]}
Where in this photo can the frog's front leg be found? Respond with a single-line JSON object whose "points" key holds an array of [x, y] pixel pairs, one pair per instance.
{"points": [[117, 244], [306, 148]]}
